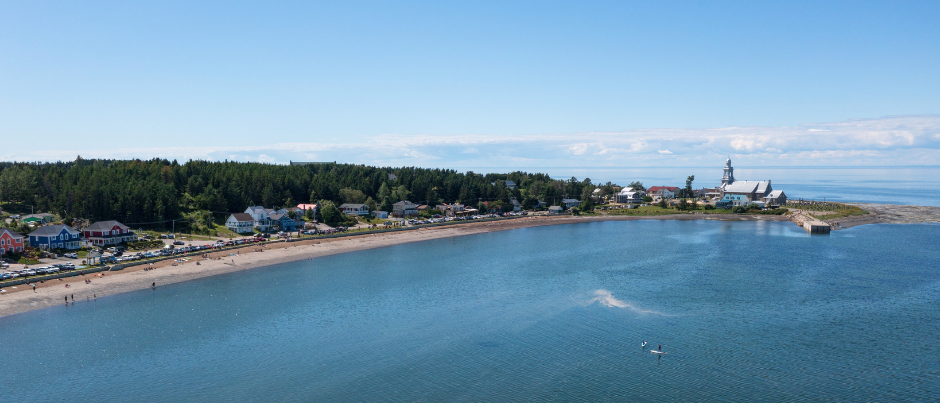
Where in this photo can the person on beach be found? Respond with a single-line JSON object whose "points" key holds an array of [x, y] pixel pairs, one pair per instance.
{"points": [[66, 300], [154, 285]]}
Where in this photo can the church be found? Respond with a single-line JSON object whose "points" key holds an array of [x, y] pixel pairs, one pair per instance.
{"points": [[741, 193]]}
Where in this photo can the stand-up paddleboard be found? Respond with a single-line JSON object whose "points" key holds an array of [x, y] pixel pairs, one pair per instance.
{"points": [[658, 352]]}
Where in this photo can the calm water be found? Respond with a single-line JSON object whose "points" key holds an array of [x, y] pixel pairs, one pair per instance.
{"points": [[748, 311]]}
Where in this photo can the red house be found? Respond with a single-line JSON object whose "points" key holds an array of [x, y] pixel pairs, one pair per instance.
{"points": [[108, 233], [10, 241]]}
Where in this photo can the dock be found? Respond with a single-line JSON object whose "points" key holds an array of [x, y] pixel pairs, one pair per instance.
{"points": [[811, 224]]}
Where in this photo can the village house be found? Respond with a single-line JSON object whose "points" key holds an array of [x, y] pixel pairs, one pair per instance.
{"points": [[354, 209], [569, 203], [775, 198], [664, 192], [404, 208], [10, 241], [260, 216], [630, 196], [38, 218], [55, 237], [283, 222], [240, 223], [555, 210], [108, 233]]}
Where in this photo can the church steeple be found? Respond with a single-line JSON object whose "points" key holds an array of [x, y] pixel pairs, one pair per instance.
{"points": [[728, 178]]}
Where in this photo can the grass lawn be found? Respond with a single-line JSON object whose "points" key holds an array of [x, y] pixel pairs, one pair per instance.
{"points": [[223, 231], [847, 212], [82, 254]]}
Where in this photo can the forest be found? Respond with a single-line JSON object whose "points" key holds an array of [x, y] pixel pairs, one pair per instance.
{"points": [[152, 193]]}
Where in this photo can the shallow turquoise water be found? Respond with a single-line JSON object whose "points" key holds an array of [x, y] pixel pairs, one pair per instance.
{"points": [[748, 311]]}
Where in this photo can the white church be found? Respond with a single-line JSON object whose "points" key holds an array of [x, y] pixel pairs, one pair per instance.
{"points": [[741, 193]]}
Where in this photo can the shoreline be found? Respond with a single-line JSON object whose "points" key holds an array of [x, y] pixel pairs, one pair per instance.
{"points": [[22, 298]]}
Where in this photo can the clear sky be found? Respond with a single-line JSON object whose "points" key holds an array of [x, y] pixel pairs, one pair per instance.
{"points": [[473, 83]]}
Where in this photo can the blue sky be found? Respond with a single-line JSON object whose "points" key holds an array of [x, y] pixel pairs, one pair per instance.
{"points": [[457, 84]]}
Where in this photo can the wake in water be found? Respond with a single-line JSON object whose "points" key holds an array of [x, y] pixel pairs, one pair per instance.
{"points": [[607, 299]]}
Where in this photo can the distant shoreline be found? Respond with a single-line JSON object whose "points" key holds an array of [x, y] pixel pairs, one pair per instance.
{"points": [[52, 293]]}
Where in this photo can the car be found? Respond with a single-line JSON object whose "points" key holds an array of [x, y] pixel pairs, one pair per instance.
{"points": [[178, 243], [71, 255]]}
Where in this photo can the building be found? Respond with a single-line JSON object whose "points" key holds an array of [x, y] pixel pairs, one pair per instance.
{"points": [[55, 237], [555, 210], [569, 203], [510, 184], [754, 191], [665, 192], [516, 206], [108, 233], [283, 222], [354, 209], [38, 218], [380, 214], [775, 198], [260, 215], [728, 177], [302, 209], [240, 223], [10, 241], [630, 196], [404, 208], [451, 210]]}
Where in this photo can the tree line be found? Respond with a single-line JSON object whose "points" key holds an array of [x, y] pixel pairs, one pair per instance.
{"points": [[152, 192]]}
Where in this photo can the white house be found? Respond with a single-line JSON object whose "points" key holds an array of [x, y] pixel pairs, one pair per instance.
{"points": [[555, 210], [354, 209], [261, 217], [569, 203], [380, 214], [776, 198], [628, 195], [665, 192], [240, 223]]}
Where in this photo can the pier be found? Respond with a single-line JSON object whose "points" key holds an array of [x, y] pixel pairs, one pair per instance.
{"points": [[811, 224]]}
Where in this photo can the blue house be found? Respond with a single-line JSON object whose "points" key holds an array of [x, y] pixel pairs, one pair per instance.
{"points": [[57, 236], [283, 222]]}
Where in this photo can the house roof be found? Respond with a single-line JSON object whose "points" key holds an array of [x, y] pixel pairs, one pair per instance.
{"points": [[352, 205], [510, 183], [53, 230], [307, 206], [775, 194], [105, 226], [278, 216], [256, 210], [658, 188], [403, 203], [243, 217], [555, 208], [12, 233], [747, 187], [570, 201], [38, 215]]}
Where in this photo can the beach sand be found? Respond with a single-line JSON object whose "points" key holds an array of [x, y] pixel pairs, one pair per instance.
{"points": [[52, 293]]}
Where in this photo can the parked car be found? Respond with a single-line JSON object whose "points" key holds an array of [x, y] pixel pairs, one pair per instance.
{"points": [[178, 243]]}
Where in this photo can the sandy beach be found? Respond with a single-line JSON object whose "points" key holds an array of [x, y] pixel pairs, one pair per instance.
{"points": [[23, 298]]}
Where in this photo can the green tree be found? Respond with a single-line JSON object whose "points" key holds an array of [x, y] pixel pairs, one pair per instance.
{"points": [[330, 213], [637, 185], [352, 196], [688, 186]]}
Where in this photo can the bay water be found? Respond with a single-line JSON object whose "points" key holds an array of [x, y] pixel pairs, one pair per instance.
{"points": [[747, 312]]}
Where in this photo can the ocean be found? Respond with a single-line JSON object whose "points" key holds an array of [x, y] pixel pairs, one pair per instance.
{"points": [[747, 312]]}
